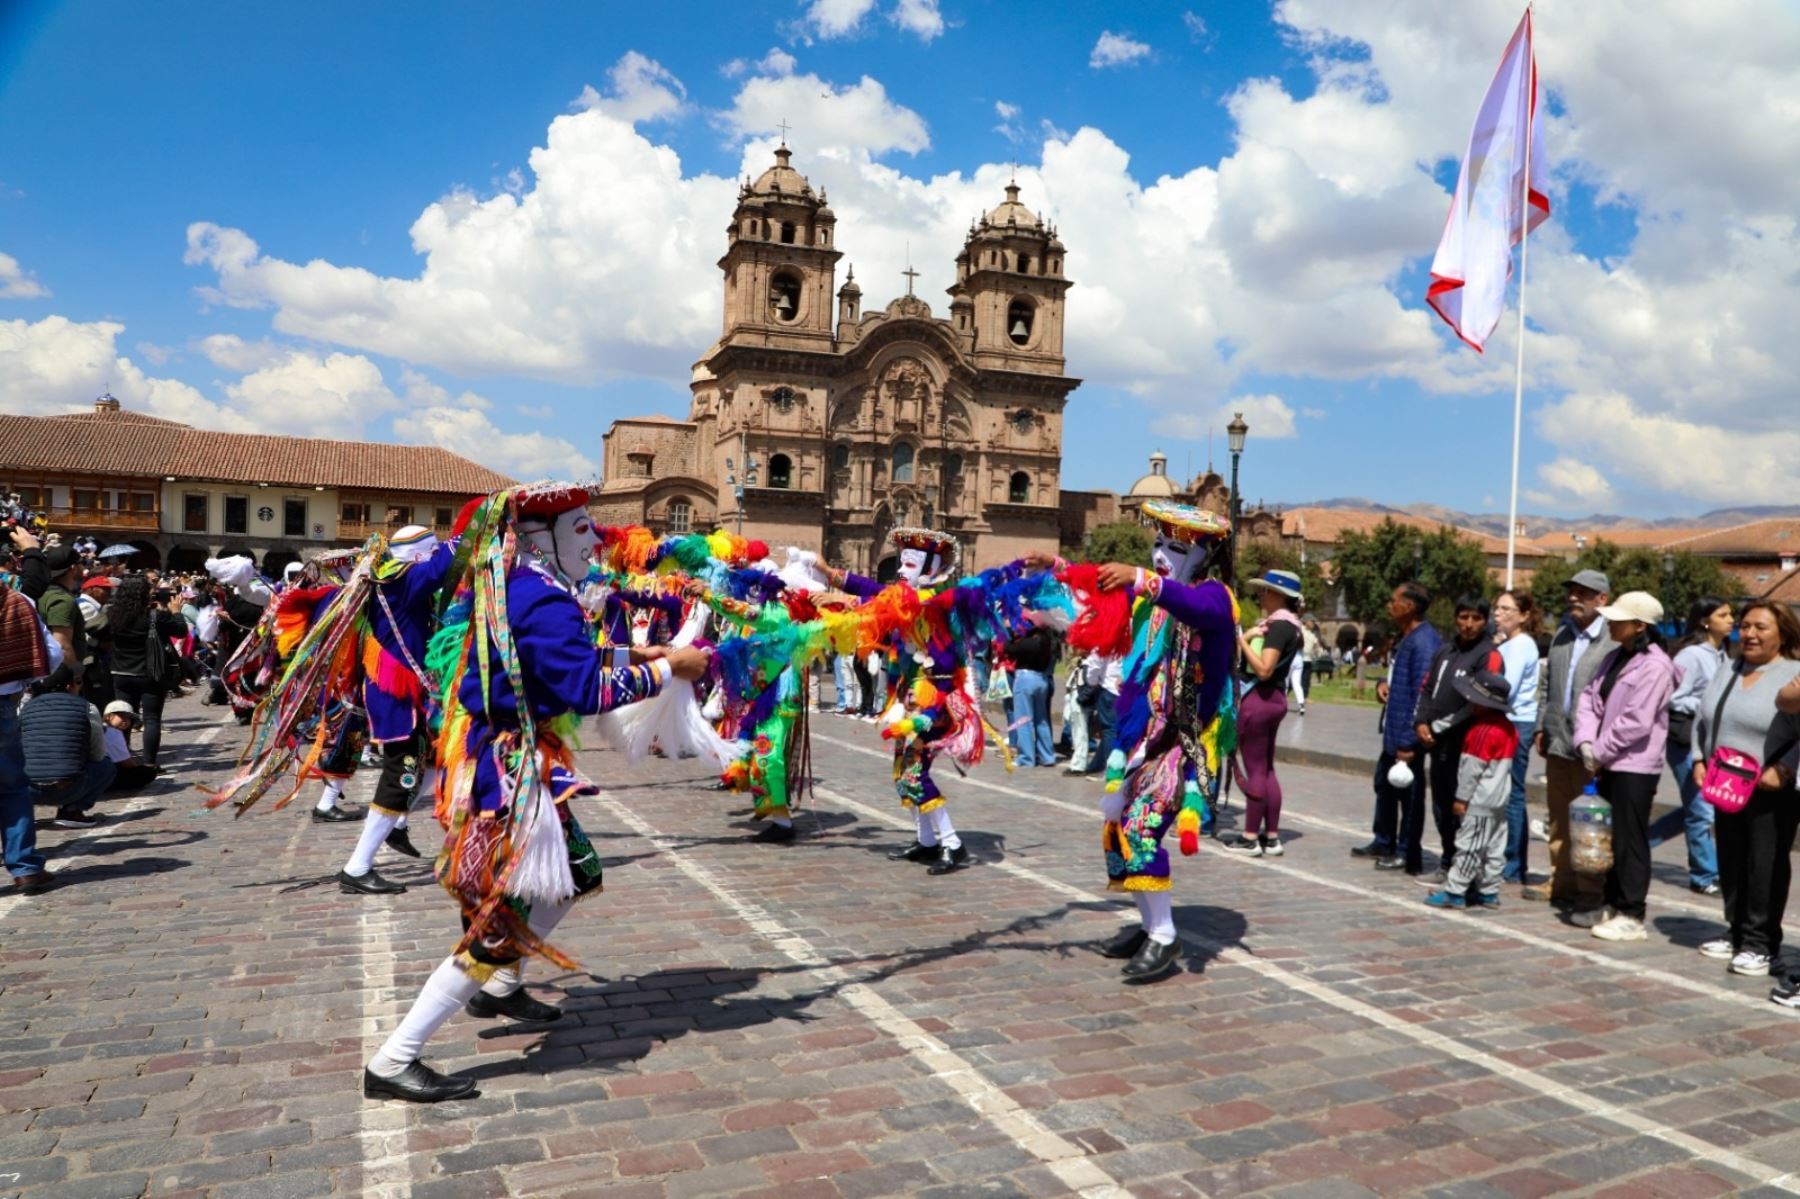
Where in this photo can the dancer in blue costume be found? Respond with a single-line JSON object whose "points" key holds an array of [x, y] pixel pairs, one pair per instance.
{"points": [[520, 669]]}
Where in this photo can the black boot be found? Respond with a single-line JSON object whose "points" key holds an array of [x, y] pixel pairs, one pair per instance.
{"points": [[914, 853], [948, 859], [518, 1007], [335, 816], [418, 1083], [776, 834], [1151, 959], [1127, 943], [399, 842], [368, 884]]}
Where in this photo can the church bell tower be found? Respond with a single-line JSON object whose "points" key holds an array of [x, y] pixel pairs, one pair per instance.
{"points": [[780, 264], [1009, 290]]}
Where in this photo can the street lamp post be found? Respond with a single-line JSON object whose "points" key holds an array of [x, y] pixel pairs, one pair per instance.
{"points": [[737, 483], [1235, 433]]}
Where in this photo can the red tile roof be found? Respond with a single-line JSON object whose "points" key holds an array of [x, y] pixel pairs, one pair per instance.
{"points": [[1323, 525], [1758, 539], [131, 444]]}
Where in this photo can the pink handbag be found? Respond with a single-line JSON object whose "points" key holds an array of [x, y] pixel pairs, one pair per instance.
{"points": [[1730, 779]]}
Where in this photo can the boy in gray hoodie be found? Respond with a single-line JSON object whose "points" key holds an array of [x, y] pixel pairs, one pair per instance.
{"points": [[1483, 785]]}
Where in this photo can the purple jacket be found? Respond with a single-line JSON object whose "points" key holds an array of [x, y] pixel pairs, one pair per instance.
{"points": [[1629, 729]]}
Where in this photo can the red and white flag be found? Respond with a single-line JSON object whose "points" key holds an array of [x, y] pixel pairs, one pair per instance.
{"points": [[1474, 259]]}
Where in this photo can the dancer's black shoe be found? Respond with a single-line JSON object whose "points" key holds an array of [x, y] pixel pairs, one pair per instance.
{"points": [[368, 884], [948, 859], [518, 1007], [1152, 959], [399, 842], [335, 816], [1127, 943], [914, 853], [418, 1083]]}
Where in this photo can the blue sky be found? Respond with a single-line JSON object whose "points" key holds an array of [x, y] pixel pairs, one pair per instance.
{"points": [[1250, 195]]}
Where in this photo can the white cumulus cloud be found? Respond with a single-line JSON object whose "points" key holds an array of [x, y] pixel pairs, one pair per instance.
{"points": [[919, 17], [1117, 50], [17, 283], [1268, 416]]}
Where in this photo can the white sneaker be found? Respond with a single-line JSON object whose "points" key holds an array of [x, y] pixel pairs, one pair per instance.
{"points": [[1719, 949], [1540, 830], [1271, 847], [1750, 962], [1620, 928]]}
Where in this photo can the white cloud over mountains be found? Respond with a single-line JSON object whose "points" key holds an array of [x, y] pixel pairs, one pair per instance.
{"points": [[17, 283], [1279, 259]]}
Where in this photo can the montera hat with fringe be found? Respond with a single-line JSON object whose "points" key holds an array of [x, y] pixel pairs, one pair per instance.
{"points": [[939, 545], [1185, 522]]}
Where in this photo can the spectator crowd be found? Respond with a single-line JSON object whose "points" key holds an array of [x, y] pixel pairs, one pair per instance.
{"points": [[89, 652]]}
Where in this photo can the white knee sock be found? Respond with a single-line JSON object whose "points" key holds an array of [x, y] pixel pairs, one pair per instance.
{"points": [[401, 823], [448, 988], [376, 826], [1158, 910], [927, 833], [944, 830], [334, 789], [544, 919]]}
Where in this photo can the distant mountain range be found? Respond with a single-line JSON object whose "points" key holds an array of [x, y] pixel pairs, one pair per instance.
{"points": [[1537, 526]]}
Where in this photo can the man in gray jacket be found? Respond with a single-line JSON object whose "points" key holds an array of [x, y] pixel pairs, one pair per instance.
{"points": [[1575, 654]]}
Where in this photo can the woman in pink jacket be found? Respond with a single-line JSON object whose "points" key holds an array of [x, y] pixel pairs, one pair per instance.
{"points": [[1621, 730]]}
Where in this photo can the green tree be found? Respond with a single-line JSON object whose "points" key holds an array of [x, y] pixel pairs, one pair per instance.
{"points": [[1370, 565], [1680, 581], [1255, 557], [1121, 541]]}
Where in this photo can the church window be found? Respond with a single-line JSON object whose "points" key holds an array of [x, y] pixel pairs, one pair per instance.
{"points": [[783, 399], [781, 471], [1024, 264], [840, 457], [787, 233], [1019, 317], [1023, 420], [681, 516], [903, 463], [784, 297], [1019, 490]]}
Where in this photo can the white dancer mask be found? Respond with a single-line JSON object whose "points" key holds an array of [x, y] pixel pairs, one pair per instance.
{"points": [[569, 543], [1183, 561]]}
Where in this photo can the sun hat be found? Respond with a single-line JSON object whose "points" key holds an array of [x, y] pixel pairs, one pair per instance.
{"points": [[1634, 605], [1185, 522], [1485, 689], [1284, 581]]}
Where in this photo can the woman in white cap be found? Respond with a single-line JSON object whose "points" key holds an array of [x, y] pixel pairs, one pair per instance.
{"points": [[1621, 733]]}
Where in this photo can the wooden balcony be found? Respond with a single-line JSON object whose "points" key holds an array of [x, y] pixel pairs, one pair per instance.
{"points": [[106, 519]]}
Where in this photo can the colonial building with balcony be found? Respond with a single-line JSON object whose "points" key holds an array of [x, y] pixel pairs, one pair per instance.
{"points": [[180, 495], [824, 426]]}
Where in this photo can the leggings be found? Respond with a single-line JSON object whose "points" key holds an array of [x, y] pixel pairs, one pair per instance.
{"points": [[1259, 718], [147, 698]]}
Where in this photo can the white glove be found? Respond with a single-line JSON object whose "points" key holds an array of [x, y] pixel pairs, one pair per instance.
{"points": [[1112, 805], [1587, 757]]}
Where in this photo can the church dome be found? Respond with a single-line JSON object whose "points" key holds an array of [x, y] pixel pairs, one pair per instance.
{"points": [[782, 179], [1011, 212], [1156, 484]]}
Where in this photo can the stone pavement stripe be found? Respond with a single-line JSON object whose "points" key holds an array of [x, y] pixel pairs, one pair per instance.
{"points": [[1660, 899], [1066, 1160], [380, 1126], [1409, 904], [64, 860], [1448, 1046]]}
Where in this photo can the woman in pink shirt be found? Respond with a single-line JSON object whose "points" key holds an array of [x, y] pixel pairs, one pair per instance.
{"points": [[1621, 731]]}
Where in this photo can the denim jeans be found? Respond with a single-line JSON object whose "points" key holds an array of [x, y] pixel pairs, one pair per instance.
{"points": [[1103, 721], [79, 794], [16, 816], [1031, 703], [843, 675], [1518, 825], [1694, 818]]}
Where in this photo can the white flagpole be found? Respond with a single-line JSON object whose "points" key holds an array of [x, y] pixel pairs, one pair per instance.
{"points": [[1512, 510]]}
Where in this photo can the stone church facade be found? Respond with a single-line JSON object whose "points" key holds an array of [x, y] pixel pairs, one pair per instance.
{"points": [[860, 421]]}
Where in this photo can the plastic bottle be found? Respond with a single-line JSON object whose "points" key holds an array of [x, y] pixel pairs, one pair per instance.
{"points": [[1590, 833]]}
